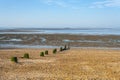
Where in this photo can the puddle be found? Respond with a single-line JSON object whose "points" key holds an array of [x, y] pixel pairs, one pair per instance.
{"points": [[26, 46], [67, 40], [43, 39], [2, 37], [90, 41], [17, 40]]}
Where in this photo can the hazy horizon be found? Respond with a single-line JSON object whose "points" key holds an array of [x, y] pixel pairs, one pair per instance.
{"points": [[59, 28]]}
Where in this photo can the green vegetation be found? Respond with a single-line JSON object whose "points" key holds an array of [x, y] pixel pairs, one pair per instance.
{"points": [[46, 52], [42, 54], [65, 47], [14, 59], [61, 49], [54, 51], [26, 55], [68, 46]]}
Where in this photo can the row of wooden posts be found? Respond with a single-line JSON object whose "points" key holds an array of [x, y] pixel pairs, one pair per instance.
{"points": [[26, 55]]}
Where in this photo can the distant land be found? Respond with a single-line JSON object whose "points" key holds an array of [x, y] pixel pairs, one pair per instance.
{"points": [[52, 28]]}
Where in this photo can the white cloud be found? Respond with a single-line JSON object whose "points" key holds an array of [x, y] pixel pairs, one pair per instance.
{"points": [[106, 3], [60, 3], [72, 3], [63, 3]]}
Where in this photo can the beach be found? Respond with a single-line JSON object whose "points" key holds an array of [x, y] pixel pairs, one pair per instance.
{"points": [[73, 64], [59, 40], [90, 57]]}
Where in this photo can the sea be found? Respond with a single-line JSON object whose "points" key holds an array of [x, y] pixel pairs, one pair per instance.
{"points": [[81, 31]]}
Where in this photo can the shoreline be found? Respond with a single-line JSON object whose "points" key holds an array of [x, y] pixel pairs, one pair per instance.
{"points": [[58, 47], [36, 33]]}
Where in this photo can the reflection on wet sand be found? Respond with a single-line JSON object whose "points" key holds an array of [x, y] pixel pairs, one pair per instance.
{"points": [[20, 40]]}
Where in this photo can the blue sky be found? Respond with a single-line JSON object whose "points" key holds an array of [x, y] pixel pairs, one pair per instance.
{"points": [[59, 13]]}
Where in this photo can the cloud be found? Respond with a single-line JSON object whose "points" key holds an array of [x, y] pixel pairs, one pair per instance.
{"points": [[59, 3], [77, 4], [106, 3], [63, 3]]}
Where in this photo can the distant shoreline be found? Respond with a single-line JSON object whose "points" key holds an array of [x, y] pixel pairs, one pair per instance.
{"points": [[72, 31]]}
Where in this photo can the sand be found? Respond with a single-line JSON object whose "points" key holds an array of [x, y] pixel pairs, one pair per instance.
{"points": [[74, 64]]}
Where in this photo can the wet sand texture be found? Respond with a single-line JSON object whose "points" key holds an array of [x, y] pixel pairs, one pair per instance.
{"points": [[60, 39]]}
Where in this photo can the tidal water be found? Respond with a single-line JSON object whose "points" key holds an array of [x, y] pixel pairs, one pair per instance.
{"points": [[81, 31]]}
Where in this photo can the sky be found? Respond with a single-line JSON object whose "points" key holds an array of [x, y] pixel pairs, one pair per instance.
{"points": [[60, 13]]}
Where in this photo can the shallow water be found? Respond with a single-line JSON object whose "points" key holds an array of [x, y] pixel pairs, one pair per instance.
{"points": [[26, 46], [88, 41], [13, 40], [86, 31]]}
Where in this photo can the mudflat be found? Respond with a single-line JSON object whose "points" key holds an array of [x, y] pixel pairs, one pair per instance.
{"points": [[18, 40], [73, 64]]}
